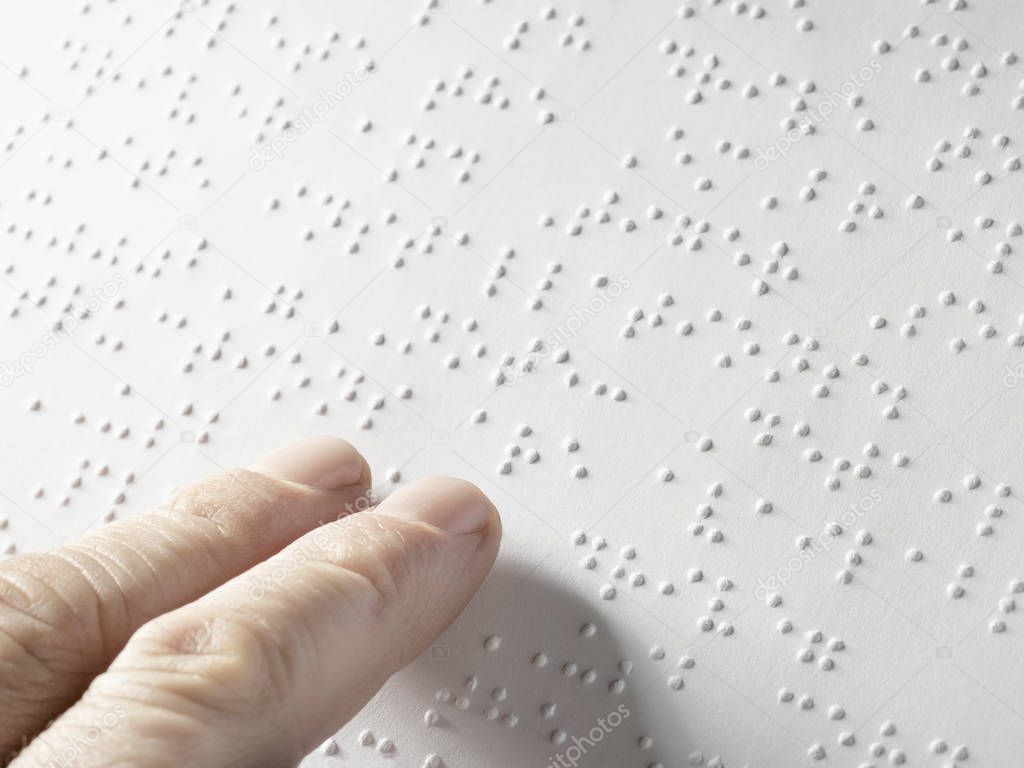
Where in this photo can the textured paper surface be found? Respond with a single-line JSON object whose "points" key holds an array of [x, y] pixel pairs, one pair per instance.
{"points": [[720, 302]]}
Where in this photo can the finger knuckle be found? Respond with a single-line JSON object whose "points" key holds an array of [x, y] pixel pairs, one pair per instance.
{"points": [[219, 499], [218, 663]]}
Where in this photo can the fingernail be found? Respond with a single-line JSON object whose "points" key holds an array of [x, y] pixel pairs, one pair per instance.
{"points": [[328, 463], [452, 505]]}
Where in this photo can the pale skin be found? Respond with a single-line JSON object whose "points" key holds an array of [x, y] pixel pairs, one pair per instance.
{"points": [[242, 624]]}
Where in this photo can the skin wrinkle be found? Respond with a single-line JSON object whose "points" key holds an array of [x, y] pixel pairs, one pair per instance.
{"points": [[27, 685], [192, 704], [156, 578], [79, 667], [160, 715], [48, 592], [213, 540], [153, 525], [33, 599], [183, 692], [113, 561], [198, 561], [5, 602], [29, 652], [102, 596]]}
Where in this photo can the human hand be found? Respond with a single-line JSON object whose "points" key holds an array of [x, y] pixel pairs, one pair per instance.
{"points": [[241, 624]]}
